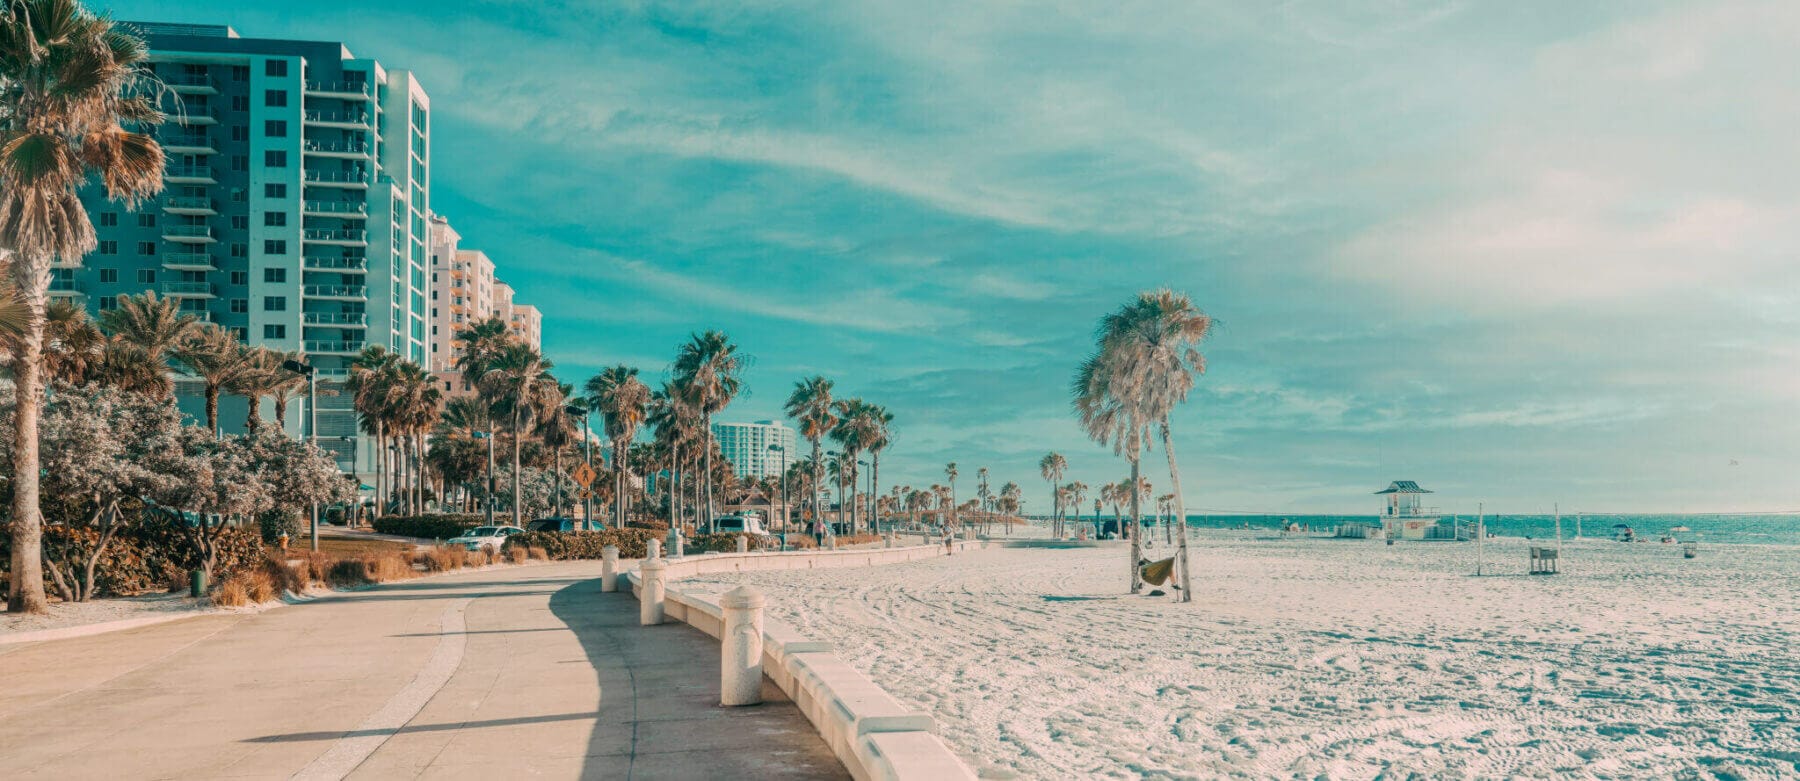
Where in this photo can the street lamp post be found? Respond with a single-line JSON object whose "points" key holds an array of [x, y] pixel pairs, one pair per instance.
{"points": [[488, 500], [312, 424], [871, 497], [784, 495]]}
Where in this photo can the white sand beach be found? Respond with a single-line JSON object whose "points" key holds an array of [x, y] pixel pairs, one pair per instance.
{"points": [[1305, 658]]}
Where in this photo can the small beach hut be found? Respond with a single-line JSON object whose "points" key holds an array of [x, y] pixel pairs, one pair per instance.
{"points": [[1404, 518]]}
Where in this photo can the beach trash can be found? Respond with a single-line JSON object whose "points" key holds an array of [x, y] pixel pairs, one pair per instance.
{"points": [[197, 583]]}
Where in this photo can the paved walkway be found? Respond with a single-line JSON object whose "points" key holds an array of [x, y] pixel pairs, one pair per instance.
{"points": [[513, 672]]}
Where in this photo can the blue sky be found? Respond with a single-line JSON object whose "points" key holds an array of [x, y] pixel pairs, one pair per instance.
{"points": [[1520, 252]]}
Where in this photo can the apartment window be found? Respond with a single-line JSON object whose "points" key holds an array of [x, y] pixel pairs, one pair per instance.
{"points": [[274, 275], [240, 278], [146, 276], [275, 97], [241, 333], [275, 68], [109, 248], [109, 275], [274, 332], [238, 196], [240, 251], [275, 128], [240, 162], [146, 248], [109, 219], [240, 222], [240, 306], [239, 103], [108, 302], [274, 303], [274, 247], [239, 72], [274, 190], [275, 158], [239, 132], [147, 220], [275, 219]]}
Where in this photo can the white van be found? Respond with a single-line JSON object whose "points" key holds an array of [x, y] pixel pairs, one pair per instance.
{"points": [[739, 524]]}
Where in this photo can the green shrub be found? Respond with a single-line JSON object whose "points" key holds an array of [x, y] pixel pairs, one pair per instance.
{"points": [[277, 521], [727, 543], [441, 526], [142, 555], [563, 546]]}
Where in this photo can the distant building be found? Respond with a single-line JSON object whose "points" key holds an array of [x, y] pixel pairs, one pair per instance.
{"points": [[464, 291], [746, 446]]}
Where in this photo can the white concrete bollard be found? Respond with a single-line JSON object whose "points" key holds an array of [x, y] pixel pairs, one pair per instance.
{"points": [[833, 540], [609, 568], [677, 544], [743, 544], [650, 602], [653, 548], [741, 647], [888, 541]]}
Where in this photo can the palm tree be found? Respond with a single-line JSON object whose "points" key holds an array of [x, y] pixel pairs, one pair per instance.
{"points": [[216, 358], [710, 369], [1150, 349], [154, 327], [15, 314], [810, 405], [372, 374], [556, 431], [1077, 491], [73, 344], [518, 381], [464, 420], [674, 422], [285, 385], [624, 403], [479, 343], [1100, 401], [857, 428], [880, 436], [1052, 466], [257, 378], [414, 404], [950, 472], [67, 81]]}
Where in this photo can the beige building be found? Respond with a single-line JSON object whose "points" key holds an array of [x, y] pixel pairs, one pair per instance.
{"points": [[464, 290]]}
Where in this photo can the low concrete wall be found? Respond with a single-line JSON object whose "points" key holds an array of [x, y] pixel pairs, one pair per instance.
{"points": [[873, 734]]}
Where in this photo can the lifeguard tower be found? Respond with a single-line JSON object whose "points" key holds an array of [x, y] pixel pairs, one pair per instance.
{"points": [[1404, 518]]}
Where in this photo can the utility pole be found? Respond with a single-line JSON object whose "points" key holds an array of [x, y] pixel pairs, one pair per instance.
{"points": [[1480, 535], [312, 424], [489, 499], [785, 519]]}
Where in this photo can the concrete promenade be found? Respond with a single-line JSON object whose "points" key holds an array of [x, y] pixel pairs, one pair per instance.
{"points": [[512, 672]]}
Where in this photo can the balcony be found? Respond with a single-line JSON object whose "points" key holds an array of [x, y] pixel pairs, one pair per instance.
{"points": [[340, 319], [189, 289], [192, 84], [336, 292], [188, 261], [67, 287], [344, 149], [333, 348], [348, 120], [351, 179], [350, 209], [347, 90], [188, 144], [189, 234], [194, 117], [343, 265], [196, 205], [342, 238], [189, 174]]}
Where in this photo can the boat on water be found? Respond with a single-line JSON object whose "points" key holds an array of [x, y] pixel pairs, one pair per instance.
{"points": [[1624, 533]]}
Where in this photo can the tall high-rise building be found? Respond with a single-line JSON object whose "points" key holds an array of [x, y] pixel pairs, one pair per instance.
{"points": [[746, 446], [294, 211]]}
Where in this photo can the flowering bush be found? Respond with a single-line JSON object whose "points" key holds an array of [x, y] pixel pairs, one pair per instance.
{"points": [[632, 543]]}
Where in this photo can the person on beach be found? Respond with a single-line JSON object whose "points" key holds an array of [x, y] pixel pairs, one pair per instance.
{"points": [[949, 541]]}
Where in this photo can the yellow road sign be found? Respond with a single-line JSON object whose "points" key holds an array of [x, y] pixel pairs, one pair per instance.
{"points": [[584, 495], [584, 475]]}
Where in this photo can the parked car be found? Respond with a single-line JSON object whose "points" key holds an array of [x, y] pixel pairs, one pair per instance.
{"points": [[560, 525], [489, 537], [739, 524]]}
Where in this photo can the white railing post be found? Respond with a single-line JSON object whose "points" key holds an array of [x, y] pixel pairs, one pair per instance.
{"points": [[609, 568], [743, 544], [650, 601], [741, 647], [676, 543]]}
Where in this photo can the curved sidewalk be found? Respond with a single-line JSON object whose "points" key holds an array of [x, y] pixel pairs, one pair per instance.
{"points": [[506, 673]]}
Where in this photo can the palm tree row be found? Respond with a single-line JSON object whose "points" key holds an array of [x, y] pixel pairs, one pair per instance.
{"points": [[399, 403]]}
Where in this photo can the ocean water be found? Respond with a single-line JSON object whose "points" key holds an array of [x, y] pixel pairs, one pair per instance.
{"points": [[1732, 529]]}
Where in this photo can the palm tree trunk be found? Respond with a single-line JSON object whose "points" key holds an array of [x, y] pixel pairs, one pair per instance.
{"points": [[674, 485], [1137, 551], [424, 480], [281, 409], [874, 492], [707, 478], [518, 511], [1187, 590], [250, 417], [27, 582], [212, 409], [381, 467], [556, 507]]}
